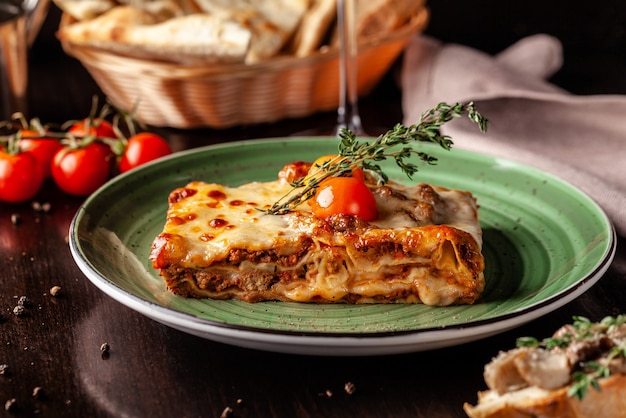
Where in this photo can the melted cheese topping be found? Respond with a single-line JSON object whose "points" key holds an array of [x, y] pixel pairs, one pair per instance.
{"points": [[209, 225], [218, 218]]}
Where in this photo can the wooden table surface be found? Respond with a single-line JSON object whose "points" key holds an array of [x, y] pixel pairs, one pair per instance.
{"points": [[156, 371]]}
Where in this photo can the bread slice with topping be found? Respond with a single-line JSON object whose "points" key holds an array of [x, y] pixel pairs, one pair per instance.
{"points": [[579, 372]]}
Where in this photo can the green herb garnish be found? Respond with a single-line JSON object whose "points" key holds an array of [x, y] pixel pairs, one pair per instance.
{"points": [[547, 343], [584, 380], [394, 144], [589, 371]]}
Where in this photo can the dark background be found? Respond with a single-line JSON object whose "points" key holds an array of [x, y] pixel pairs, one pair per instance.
{"points": [[593, 35]]}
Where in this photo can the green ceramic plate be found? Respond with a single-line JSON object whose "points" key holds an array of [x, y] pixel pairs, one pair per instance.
{"points": [[545, 243]]}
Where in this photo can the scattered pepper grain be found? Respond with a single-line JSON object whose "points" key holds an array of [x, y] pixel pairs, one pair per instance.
{"points": [[19, 310], [350, 388], [105, 350], [16, 219], [23, 301], [38, 392], [41, 207], [10, 405]]}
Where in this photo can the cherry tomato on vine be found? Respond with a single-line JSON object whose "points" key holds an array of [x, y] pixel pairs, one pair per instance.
{"points": [[344, 195], [94, 127], [99, 128], [141, 148], [42, 148], [80, 171], [317, 164], [20, 176]]}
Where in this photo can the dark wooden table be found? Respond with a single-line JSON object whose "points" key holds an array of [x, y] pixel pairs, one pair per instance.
{"points": [[155, 371]]}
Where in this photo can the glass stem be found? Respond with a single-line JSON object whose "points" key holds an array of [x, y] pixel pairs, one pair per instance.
{"points": [[348, 110]]}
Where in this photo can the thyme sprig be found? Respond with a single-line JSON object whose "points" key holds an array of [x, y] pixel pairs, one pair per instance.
{"points": [[395, 144], [583, 380]]}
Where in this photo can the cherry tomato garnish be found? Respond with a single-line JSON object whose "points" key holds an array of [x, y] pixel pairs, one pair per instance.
{"points": [[344, 195], [141, 148], [20, 176], [80, 171], [317, 165]]}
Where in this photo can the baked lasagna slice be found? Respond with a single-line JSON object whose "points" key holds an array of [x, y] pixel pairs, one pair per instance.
{"points": [[219, 242]]}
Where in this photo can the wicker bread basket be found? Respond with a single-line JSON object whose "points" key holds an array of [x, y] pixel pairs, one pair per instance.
{"points": [[221, 96]]}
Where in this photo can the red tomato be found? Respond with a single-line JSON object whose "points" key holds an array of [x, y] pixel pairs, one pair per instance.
{"points": [[97, 127], [80, 171], [141, 148], [344, 195], [104, 149], [42, 148], [20, 176], [317, 164]]}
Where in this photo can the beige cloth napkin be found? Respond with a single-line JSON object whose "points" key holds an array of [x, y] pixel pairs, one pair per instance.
{"points": [[581, 139]]}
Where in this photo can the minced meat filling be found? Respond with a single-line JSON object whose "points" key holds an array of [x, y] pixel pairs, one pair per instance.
{"points": [[238, 255]]}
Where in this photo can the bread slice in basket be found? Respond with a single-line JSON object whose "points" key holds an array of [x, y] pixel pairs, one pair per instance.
{"points": [[222, 31], [136, 32]]}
